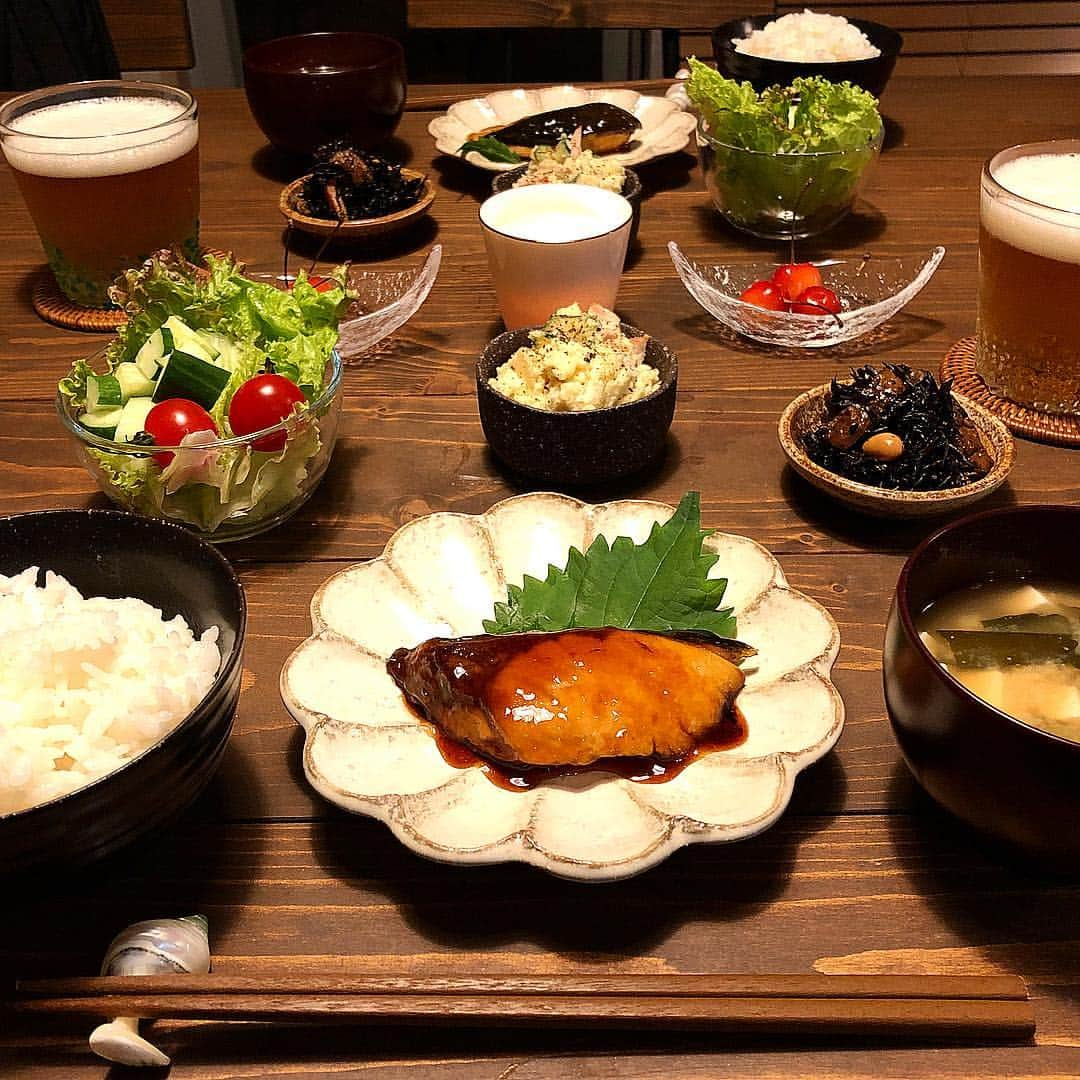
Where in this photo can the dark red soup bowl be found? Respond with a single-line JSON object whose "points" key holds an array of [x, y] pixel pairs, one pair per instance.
{"points": [[310, 88], [1012, 781]]}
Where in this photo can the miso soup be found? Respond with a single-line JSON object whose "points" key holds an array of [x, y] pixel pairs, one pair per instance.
{"points": [[1015, 645]]}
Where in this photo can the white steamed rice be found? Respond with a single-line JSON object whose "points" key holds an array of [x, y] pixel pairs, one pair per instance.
{"points": [[87, 684], [806, 36]]}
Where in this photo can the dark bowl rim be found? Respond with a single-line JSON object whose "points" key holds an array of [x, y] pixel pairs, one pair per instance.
{"points": [[891, 43], [251, 61], [632, 178], [228, 663], [667, 383], [903, 608]]}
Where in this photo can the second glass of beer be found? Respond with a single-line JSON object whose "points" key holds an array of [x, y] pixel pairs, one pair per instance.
{"points": [[1029, 275], [110, 173]]}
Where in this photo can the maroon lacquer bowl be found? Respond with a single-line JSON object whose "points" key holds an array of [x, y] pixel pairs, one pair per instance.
{"points": [[310, 88], [1006, 778]]}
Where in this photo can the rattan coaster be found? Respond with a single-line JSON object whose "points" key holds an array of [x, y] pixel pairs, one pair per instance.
{"points": [[1057, 428], [54, 307]]}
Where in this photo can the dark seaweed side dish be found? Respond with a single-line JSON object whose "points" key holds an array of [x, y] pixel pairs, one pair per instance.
{"points": [[893, 427], [347, 184]]}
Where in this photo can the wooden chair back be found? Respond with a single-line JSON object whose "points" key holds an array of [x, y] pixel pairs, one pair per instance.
{"points": [[957, 37], [150, 36], [579, 14]]}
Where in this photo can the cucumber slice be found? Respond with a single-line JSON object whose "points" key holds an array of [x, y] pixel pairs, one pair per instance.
{"points": [[133, 383], [153, 352], [102, 421], [189, 377], [103, 392], [187, 340], [133, 418]]}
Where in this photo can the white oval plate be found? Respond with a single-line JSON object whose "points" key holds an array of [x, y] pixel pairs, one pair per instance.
{"points": [[665, 127], [440, 575]]}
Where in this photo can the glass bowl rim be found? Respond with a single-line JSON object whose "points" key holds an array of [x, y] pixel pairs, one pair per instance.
{"points": [[131, 449], [874, 143], [795, 318]]}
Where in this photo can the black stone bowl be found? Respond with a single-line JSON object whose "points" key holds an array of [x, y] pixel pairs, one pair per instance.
{"points": [[1016, 782], [109, 553], [574, 449], [631, 192], [871, 75]]}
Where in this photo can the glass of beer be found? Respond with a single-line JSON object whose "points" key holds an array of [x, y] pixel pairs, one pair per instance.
{"points": [[1029, 275], [110, 173]]}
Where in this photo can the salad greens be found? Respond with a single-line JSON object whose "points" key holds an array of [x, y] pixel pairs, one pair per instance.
{"points": [[492, 149], [661, 584], [789, 158], [182, 323], [810, 116]]}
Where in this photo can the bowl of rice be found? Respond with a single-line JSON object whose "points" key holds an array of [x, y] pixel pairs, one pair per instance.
{"points": [[767, 50], [119, 677]]}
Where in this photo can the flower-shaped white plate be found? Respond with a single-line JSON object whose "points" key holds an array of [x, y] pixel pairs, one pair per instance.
{"points": [[441, 575], [665, 127]]}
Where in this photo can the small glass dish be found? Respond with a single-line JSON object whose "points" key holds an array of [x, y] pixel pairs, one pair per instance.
{"points": [[222, 489], [871, 290], [783, 196], [385, 301]]}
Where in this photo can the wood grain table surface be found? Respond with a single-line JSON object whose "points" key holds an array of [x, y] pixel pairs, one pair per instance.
{"points": [[862, 874]]}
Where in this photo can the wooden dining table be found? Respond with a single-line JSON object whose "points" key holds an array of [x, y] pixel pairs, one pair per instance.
{"points": [[863, 874]]}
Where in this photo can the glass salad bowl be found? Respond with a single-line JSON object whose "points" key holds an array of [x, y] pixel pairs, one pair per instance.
{"points": [[783, 196], [223, 489], [870, 289]]}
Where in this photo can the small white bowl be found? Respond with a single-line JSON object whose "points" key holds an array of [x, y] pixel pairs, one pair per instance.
{"points": [[871, 290]]}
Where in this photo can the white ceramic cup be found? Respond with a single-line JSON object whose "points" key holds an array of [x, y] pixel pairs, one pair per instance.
{"points": [[551, 245]]}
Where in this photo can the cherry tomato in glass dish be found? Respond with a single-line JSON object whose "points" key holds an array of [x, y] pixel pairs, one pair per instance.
{"points": [[170, 420], [817, 300], [260, 403], [793, 279], [763, 294], [321, 284]]}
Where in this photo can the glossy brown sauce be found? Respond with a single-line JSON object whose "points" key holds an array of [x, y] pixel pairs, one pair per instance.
{"points": [[731, 732]]}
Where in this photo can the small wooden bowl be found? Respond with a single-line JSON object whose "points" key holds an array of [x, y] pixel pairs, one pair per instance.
{"points": [[363, 228], [807, 411]]}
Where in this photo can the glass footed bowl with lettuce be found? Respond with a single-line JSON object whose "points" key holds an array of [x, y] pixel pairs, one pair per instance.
{"points": [[789, 162], [217, 404]]}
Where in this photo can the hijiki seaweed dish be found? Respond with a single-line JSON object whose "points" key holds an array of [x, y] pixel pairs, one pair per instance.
{"points": [[897, 428], [347, 184]]}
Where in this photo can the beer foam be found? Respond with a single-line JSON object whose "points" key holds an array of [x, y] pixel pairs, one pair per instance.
{"points": [[103, 136], [1052, 227], [555, 213]]}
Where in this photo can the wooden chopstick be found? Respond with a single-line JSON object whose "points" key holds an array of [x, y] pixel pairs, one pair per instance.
{"points": [[894, 1018], [951, 1007], [421, 98], [934, 987]]}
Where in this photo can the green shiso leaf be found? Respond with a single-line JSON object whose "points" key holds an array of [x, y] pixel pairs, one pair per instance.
{"points": [[492, 149], [661, 585]]}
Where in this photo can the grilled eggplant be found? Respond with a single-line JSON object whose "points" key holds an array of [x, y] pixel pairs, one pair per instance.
{"points": [[604, 128], [576, 696]]}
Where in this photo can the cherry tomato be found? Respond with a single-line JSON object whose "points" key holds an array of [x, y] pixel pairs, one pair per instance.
{"points": [[793, 279], [321, 284], [817, 300], [170, 420], [260, 403], [763, 294]]}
